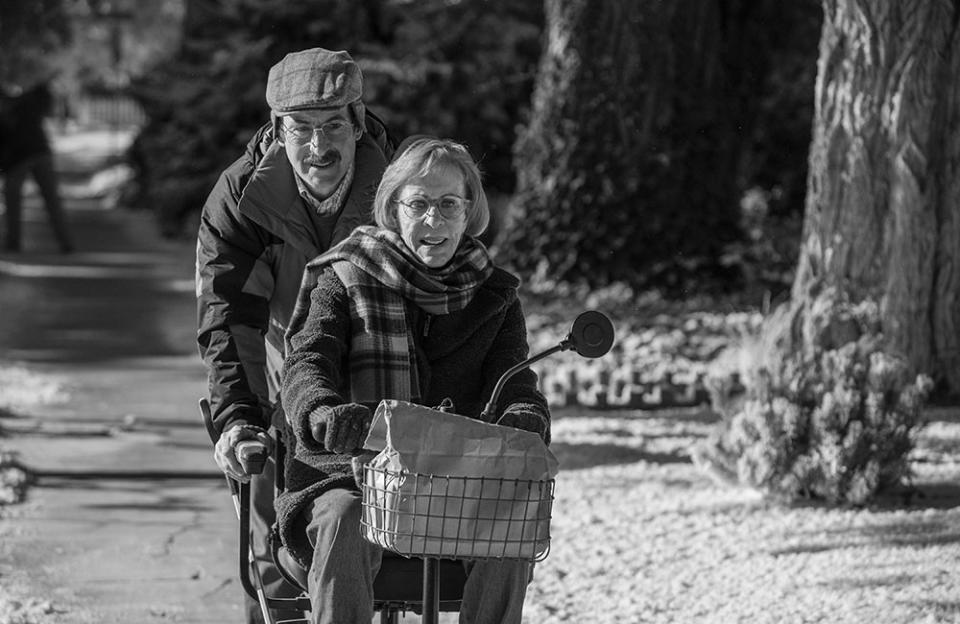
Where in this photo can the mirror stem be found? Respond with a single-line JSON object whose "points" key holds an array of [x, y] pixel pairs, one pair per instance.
{"points": [[491, 408]]}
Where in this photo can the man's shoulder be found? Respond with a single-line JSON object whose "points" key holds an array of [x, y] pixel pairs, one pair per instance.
{"points": [[225, 195], [380, 134], [234, 178], [370, 157]]}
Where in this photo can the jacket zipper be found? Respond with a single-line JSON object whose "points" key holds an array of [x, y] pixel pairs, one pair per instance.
{"points": [[426, 325]]}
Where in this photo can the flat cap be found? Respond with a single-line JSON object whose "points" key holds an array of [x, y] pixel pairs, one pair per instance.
{"points": [[314, 78]]}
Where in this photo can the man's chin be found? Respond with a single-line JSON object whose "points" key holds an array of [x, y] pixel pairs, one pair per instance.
{"points": [[322, 183]]}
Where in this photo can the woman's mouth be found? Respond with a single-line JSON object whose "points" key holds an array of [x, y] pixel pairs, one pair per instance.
{"points": [[432, 241]]}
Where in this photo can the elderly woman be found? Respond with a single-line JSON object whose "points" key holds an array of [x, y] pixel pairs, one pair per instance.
{"points": [[412, 309]]}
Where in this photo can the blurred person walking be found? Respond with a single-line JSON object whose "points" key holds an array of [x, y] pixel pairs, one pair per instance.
{"points": [[305, 181], [25, 150]]}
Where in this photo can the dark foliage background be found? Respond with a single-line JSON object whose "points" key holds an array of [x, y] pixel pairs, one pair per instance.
{"points": [[462, 70], [646, 185], [704, 194], [31, 33]]}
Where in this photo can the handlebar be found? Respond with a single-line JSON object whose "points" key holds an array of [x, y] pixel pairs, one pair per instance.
{"points": [[252, 455], [591, 336]]}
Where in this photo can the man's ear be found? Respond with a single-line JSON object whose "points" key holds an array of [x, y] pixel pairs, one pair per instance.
{"points": [[358, 112], [276, 120]]}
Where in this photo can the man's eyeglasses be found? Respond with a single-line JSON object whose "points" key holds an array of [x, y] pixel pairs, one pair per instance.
{"points": [[333, 131], [449, 206]]}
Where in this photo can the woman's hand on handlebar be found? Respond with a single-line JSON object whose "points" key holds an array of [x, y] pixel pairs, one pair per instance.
{"points": [[525, 419], [341, 428], [225, 451], [358, 461]]}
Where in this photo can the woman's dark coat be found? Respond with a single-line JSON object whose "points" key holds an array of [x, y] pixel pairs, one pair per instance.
{"points": [[459, 356]]}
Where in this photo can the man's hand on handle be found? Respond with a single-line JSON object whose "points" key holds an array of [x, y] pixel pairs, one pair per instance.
{"points": [[238, 443], [341, 428]]}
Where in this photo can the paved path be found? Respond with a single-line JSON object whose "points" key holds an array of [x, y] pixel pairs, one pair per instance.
{"points": [[112, 328]]}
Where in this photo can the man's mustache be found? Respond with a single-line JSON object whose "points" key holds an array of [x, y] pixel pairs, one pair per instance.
{"points": [[326, 157]]}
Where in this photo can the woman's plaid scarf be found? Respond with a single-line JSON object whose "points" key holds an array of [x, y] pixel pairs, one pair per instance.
{"points": [[380, 273]]}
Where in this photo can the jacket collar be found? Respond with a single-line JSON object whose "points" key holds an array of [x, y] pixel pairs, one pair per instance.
{"points": [[271, 198]]}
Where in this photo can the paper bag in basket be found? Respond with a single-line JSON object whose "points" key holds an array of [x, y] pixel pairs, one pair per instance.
{"points": [[450, 486]]}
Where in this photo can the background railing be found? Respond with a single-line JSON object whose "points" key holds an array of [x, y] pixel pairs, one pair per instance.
{"points": [[109, 110]]}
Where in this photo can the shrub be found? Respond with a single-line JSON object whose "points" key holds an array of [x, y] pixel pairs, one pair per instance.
{"points": [[834, 420]]}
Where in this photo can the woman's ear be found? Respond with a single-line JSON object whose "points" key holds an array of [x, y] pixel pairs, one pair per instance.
{"points": [[390, 218]]}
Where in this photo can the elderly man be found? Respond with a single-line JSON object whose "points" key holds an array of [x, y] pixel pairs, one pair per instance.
{"points": [[305, 181]]}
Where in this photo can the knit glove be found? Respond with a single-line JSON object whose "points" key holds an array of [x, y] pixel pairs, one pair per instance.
{"points": [[341, 428], [527, 420], [358, 461]]}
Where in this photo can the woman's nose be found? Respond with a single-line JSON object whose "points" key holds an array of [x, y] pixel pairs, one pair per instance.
{"points": [[432, 217]]}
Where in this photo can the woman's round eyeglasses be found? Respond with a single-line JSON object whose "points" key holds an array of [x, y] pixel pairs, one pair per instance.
{"points": [[449, 206]]}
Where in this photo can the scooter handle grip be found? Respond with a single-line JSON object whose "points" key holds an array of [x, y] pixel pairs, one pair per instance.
{"points": [[252, 454]]}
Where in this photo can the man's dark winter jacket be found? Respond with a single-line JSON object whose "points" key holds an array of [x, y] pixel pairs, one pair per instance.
{"points": [[460, 356], [255, 238]]}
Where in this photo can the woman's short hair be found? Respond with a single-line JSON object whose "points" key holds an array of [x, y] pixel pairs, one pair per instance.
{"points": [[422, 156]]}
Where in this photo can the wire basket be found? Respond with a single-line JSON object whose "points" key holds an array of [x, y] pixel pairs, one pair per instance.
{"points": [[420, 515]]}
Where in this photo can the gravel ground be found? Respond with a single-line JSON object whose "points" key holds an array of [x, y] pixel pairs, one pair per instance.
{"points": [[641, 535]]}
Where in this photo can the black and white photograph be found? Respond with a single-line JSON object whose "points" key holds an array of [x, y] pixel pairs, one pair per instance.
{"points": [[480, 312]]}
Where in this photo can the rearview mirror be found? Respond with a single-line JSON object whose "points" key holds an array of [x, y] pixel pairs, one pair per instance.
{"points": [[592, 334]]}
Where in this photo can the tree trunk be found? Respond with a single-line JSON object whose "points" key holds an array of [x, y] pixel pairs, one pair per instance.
{"points": [[626, 160], [883, 200], [632, 162]]}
